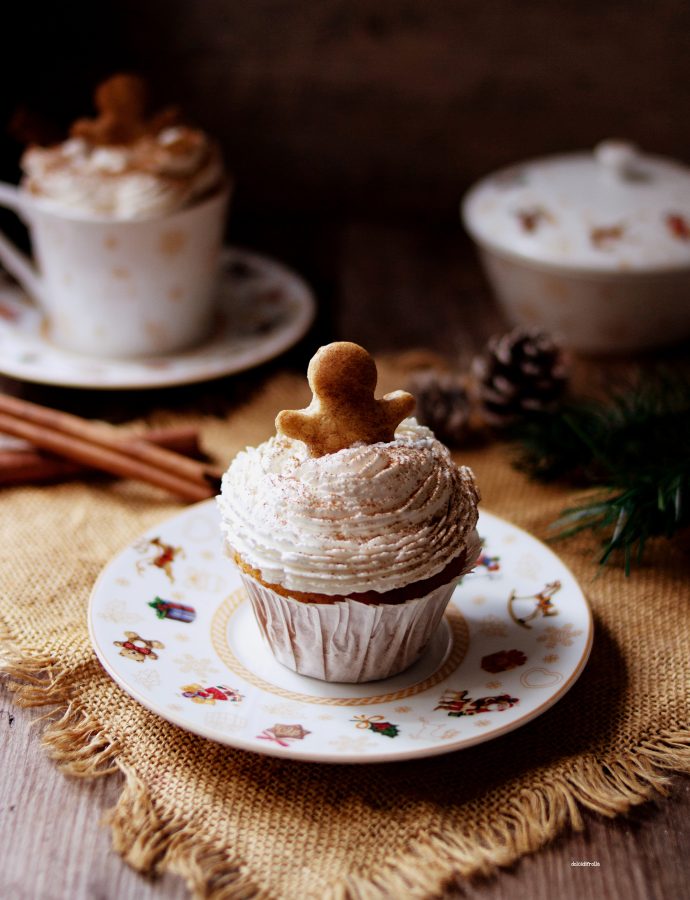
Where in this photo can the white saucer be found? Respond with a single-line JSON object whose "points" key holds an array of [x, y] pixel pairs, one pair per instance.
{"points": [[263, 309], [516, 636]]}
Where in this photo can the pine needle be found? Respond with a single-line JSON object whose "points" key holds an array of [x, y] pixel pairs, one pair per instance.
{"points": [[634, 451]]}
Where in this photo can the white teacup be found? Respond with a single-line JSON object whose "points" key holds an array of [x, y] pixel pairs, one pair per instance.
{"points": [[120, 288]]}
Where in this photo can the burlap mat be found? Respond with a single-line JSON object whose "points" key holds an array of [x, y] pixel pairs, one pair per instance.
{"points": [[236, 824]]}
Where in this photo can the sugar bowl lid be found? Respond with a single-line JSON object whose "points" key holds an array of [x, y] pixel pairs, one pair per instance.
{"points": [[615, 209]]}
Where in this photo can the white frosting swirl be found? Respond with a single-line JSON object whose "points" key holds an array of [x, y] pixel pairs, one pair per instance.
{"points": [[370, 517], [154, 175]]}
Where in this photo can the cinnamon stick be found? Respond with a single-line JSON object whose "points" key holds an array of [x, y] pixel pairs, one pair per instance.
{"points": [[27, 465], [96, 447], [66, 424]]}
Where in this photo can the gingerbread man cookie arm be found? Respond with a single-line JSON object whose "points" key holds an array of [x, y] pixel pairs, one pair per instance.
{"points": [[397, 406], [297, 424]]}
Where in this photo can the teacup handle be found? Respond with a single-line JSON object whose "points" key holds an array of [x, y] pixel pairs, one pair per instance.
{"points": [[16, 262]]}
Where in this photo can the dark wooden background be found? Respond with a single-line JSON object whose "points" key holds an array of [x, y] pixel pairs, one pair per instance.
{"points": [[339, 116], [377, 108]]}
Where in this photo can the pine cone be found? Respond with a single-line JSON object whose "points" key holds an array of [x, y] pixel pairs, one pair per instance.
{"points": [[442, 404], [519, 373]]}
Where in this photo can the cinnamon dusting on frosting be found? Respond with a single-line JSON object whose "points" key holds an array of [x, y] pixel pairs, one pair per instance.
{"points": [[373, 517]]}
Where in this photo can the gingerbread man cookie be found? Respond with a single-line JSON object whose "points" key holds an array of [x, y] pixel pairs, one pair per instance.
{"points": [[121, 103], [343, 410]]}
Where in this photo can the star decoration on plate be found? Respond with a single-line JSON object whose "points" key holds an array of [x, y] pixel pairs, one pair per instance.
{"points": [[149, 679], [202, 668], [225, 721], [281, 709], [119, 613], [347, 744], [492, 626], [565, 635]]}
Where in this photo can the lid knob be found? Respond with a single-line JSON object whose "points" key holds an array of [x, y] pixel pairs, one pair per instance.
{"points": [[618, 158]]}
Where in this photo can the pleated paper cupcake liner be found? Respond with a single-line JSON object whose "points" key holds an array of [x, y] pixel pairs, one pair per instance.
{"points": [[347, 641]]}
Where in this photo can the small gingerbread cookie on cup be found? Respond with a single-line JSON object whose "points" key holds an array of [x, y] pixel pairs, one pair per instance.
{"points": [[351, 527]]}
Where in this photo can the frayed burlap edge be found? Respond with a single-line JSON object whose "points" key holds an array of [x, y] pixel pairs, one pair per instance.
{"points": [[153, 839]]}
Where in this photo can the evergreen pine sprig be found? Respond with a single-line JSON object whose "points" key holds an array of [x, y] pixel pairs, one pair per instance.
{"points": [[634, 450]]}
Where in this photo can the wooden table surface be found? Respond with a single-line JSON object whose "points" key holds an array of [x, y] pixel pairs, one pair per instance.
{"points": [[388, 288]]}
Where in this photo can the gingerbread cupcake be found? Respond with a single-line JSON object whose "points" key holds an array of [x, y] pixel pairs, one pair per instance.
{"points": [[350, 528]]}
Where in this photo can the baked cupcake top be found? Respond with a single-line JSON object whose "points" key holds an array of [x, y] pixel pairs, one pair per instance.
{"points": [[375, 515]]}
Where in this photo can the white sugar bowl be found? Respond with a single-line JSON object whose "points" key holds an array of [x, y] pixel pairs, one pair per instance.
{"points": [[592, 247]]}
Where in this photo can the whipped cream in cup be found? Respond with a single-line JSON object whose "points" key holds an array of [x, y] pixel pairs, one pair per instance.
{"points": [[126, 225], [350, 559], [154, 175]]}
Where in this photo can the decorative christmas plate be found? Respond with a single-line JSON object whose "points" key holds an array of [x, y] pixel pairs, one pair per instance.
{"points": [[171, 624], [263, 309]]}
